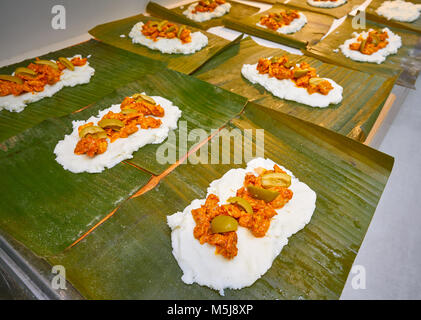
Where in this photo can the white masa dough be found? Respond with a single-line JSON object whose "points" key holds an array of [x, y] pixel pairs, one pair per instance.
{"points": [[198, 41], [293, 27], [200, 264], [326, 4], [219, 11], [120, 149], [68, 78], [399, 10], [378, 57], [286, 88]]}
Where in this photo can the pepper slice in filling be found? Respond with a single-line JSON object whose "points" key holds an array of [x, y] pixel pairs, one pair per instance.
{"points": [[120, 125], [207, 5], [301, 75], [375, 41], [258, 221], [274, 21], [164, 29], [44, 74]]}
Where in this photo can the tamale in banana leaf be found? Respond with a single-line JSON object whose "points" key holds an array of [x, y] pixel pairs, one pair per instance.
{"points": [[317, 25], [364, 94], [405, 63], [113, 68], [238, 11], [371, 14], [110, 33], [337, 12], [130, 255]]}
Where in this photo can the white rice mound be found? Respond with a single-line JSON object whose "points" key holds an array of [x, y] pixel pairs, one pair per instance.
{"points": [[219, 11], [68, 78], [170, 46], [120, 149], [399, 10], [378, 57], [326, 4], [286, 88], [293, 27], [200, 264]]}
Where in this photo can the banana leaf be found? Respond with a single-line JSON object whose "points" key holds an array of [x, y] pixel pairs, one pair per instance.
{"points": [[238, 11], [317, 25], [110, 33], [113, 68], [405, 63], [45, 207], [372, 15], [337, 12], [129, 256], [363, 96]]}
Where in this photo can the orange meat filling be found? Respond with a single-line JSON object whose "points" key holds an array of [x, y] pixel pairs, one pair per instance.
{"points": [[303, 75], [207, 5], [164, 29], [45, 75], [375, 41], [134, 113], [257, 222], [275, 21]]}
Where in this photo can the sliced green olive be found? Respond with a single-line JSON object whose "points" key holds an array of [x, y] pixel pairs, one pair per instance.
{"points": [[144, 98], [274, 59], [47, 63], [10, 78], [242, 203], [67, 63], [26, 72], [300, 73], [289, 64], [376, 40], [161, 24], [128, 111], [100, 135], [153, 23], [315, 81], [221, 224], [180, 31], [262, 194], [114, 124], [170, 29], [362, 46], [90, 130], [276, 179]]}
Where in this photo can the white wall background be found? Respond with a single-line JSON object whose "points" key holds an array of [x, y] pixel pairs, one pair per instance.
{"points": [[26, 24]]}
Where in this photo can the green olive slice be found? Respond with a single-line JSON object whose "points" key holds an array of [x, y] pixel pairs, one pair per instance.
{"points": [[47, 63], [100, 135], [222, 223], [242, 203], [315, 81], [67, 63], [300, 73], [262, 194], [92, 130], [180, 31], [162, 24], [128, 111], [362, 46], [274, 59], [170, 29], [26, 72], [288, 64], [114, 124], [276, 179], [10, 78], [153, 23], [143, 97]]}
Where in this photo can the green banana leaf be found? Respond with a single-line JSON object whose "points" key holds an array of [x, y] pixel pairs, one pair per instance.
{"points": [[47, 208], [404, 63], [317, 25], [238, 11], [110, 33], [113, 68], [129, 256], [363, 96], [372, 15], [337, 12]]}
